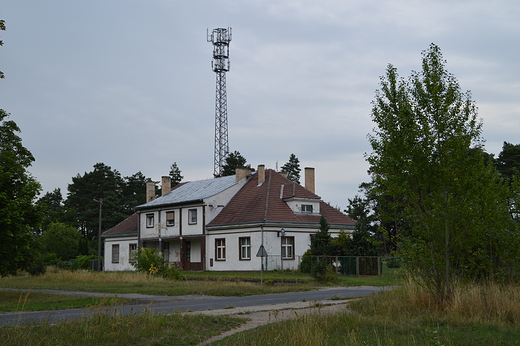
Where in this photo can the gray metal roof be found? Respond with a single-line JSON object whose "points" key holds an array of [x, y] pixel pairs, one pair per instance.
{"points": [[192, 191]]}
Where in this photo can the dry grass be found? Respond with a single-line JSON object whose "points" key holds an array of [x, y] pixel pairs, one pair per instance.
{"points": [[477, 315], [135, 282]]}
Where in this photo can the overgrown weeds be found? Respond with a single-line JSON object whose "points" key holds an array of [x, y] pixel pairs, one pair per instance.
{"points": [[477, 315], [104, 328]]}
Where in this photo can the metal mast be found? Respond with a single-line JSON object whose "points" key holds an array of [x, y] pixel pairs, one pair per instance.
{"points": [[220, 38]]}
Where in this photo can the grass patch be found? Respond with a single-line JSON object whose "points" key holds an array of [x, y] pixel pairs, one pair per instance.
{"points": [[24, 301], [134, 282], [107, 329], [478, 315]]}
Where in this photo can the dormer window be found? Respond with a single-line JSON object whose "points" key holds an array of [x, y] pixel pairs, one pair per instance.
{"points": [[306, 208]]}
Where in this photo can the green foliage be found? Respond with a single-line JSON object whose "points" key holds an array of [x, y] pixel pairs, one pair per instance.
{"points": [[427, 155], [120, 195], [175, 174], [508, 161], [233, 161], [61, 239], [306, 263], [82, 262], [18, 190], [292, 168], [149, 261], [321, 242]]}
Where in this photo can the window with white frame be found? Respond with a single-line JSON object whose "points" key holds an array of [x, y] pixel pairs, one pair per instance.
{"points": [[132, 252], [170, 218], [149, 220], [245, 248], [306, 208], [192, 216], [115, 253], [287, 247], [220, 249]]}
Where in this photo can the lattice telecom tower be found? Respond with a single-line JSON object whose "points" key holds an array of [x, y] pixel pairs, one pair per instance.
{"points": [[220, 38]]}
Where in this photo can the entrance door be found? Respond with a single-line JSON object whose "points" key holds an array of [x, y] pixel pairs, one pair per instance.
{"points": [[187, 255]]}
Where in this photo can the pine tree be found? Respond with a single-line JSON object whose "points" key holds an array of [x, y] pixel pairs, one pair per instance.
{"points": [[292, 168], [175, 174]]}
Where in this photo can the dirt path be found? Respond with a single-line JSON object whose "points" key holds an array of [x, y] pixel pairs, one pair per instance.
{"points": [[259, 318]]}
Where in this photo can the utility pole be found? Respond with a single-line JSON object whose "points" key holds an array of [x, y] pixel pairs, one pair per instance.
{"points": [[99, 234]]}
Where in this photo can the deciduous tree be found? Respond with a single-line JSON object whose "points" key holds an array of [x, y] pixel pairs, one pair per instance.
{"points": [[18, 191], [427, 154]]}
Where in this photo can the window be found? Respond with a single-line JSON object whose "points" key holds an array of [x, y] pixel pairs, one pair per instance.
{"points": [[220, 249], [192, 216], [288, 247], [170, 218], [245, 248], [132, 252], [306, 208], [115, 253], [149, 220]]}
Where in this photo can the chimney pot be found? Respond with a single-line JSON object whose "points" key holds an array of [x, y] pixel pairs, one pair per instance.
{"points": [[309, 179], [261, 174], [166, 184], [241, 173], [150, 191]]}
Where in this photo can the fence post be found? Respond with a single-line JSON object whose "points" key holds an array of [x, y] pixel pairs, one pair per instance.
{"points": [[357, 265], [378, 265]]}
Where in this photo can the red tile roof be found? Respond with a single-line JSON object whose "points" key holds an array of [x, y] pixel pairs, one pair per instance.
{"points": [[126, 227], [265, 204]]}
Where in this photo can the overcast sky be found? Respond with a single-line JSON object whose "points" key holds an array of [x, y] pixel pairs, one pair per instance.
{"points": [[129, 83]]}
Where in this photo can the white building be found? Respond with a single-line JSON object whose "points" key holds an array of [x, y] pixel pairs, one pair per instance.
{"points": [[220, 224]]}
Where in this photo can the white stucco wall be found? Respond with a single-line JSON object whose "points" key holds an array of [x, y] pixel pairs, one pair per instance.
{"points": [[124, 254]]}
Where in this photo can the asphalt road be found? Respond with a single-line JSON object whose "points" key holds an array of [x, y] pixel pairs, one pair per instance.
{"points": [[171, 304]]}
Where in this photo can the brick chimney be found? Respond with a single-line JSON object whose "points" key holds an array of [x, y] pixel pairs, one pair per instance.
{"points": [[150, 191], [241, 173], [166, 184], [309, 179], [261, 174]]}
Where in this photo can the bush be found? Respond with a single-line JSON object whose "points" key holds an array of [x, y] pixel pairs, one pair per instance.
{"points": [[150, 262], [82, 262], [394, 262], [306, 263], [323, 272]]}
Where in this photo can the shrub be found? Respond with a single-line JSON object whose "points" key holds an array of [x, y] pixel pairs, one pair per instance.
{"points": [[323, 272], [82, 262], [394, 262], [150, 262]]}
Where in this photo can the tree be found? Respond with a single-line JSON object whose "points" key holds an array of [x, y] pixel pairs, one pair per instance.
{"points": [[233, 161], [134, 191], [292, 168], [427, 155], [18, 190], [85, 192], [175, 174], [508, 161], [62, 240]]}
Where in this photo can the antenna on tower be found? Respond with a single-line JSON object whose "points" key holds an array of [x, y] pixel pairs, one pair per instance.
{"points": [[220, 38]]}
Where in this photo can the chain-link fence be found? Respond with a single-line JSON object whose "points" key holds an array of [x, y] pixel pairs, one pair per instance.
{"points": [[344, 265]]}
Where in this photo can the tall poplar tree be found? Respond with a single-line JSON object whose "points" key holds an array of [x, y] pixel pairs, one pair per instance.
{"points": [[428, 155]]}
